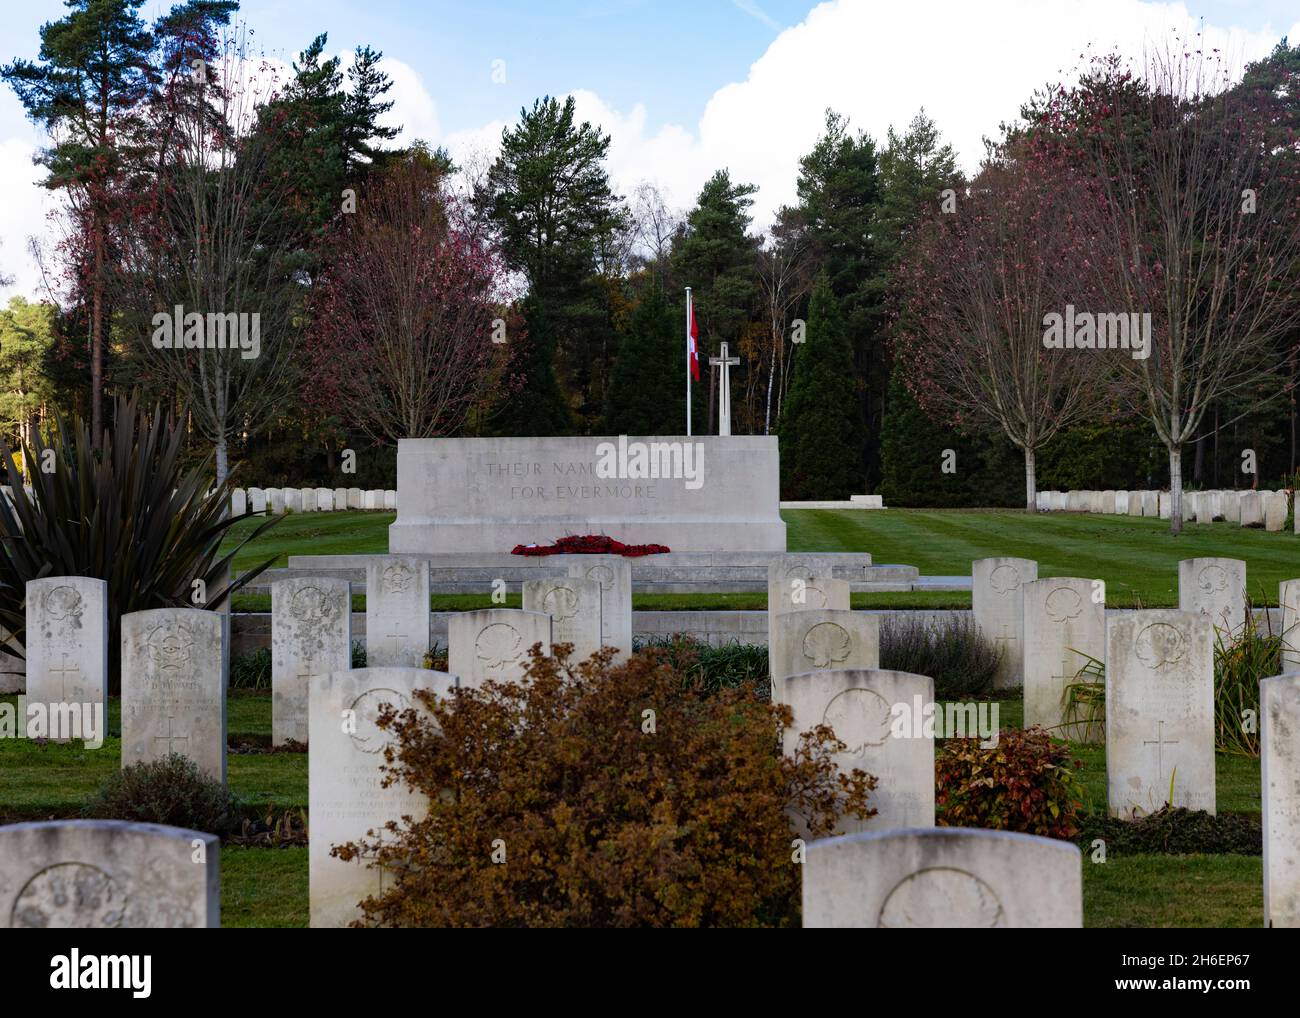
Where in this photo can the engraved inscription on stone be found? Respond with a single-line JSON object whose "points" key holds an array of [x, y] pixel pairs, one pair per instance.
{"points": [[70, 895], [860, 719], [826, 644], [498, 645], [398, 578], [63, 603], [369, 737], [1160, 644], [941, 897]]}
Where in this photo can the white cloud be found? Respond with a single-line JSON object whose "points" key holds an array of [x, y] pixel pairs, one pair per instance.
{"points": [[413, 107], [23, 211]]}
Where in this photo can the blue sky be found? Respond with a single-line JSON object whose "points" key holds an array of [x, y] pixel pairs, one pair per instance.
{"points": [[683, 87]]}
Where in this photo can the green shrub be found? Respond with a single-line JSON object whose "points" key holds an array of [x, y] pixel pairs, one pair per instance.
{"points": [[1239, 664], [170, 791], [251, 670], [125, 510], [1174, 831], [1025, 783], [957, 656], [358, 653], [710, 668]]}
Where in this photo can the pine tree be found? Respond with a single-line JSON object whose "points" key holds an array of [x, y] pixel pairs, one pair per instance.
{"points": [[821, 426], [646, 394], [539, 408]]}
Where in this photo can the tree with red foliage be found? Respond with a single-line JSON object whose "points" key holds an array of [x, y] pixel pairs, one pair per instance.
{"points": [[407, 311]]}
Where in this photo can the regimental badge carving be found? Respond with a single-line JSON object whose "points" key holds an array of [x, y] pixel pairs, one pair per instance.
{"points": [[1212, 580], [815, 597], [369, 737], [560, 603], [1160, 644], [62, 602], [827, 643], [1004, 579], [170, 649], [311, 604], [860, 719], [1063, 604], [944, 898], [603, 575], [69, 895], [398, 577], [498, 645]]}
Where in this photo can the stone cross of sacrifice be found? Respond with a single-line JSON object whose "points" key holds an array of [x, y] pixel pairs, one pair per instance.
{"points": [[724, 390]]}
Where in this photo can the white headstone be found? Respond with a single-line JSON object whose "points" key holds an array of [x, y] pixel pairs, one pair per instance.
{"points": [[1232, 507], [1275, 510], [860, 707], [1252, 509], [614, 574], [67, 655], [1065, 619], [238, 502], [997, 602], [354, 498], [347, 799], [1215, 587], [311, 636], [1289, 599], [307, 499], [1122, 503], [574, 607], [324, 500], [397, 611], [1279, 701], [108, 874], [799, 583], [173, 687], [340, 499], [493, 643], [390, 499], [292, 500], [950, 877], [817, 640], [372, 499], [275, 501], [1151, 503], [1159, 711], [256, 500]]}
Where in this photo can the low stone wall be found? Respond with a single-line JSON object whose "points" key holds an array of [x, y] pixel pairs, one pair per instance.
{"points": [[1266, 510]]}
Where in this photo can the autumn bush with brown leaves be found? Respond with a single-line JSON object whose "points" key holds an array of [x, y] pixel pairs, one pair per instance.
{"points": [[599, 795]]}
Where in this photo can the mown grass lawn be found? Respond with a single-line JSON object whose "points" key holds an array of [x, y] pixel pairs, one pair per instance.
{"points": [[268, 887], [1137, 557]]}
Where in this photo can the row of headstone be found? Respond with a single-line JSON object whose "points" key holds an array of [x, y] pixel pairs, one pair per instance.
{"points": [[1266, 509], [278, 501]]}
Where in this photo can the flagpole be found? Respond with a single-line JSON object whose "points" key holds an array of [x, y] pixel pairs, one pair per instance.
{"points": [[688, 362]]}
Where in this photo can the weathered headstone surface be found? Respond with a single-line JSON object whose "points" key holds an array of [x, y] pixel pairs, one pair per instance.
{"points": [[324, 500], [390, 499], [1275, 509], [1135, 503], [997, 601], [614, 574], [354, 498], [1232, 507], [949, 877], [493, 643], [173, 686], [1165, 504], [858, 704], [817, 640], [238, 502], [1159, 712], [1121, 503], [311, 636], [798, 582], [67, 654], [307, 499], [1065, 619], [292, 500], [1150, 503], [1289, 599], [108, 874], [275, 501], [1252, 509], [573, 604], [397, 611], [347, 799], [372, 499], [340, 499], [256, 500], [1280, 778], [1215, 587]]}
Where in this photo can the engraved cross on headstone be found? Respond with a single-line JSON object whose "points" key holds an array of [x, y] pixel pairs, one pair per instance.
{"points": [[724, 390], [394, 638], [169, 738], [1160, 742], [62, 673]]}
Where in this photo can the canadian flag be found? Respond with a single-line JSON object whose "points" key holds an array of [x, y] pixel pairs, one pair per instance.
{"points": [[692, 339]]}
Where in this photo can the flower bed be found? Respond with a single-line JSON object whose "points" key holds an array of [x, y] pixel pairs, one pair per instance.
{"points": [[590, 544]]}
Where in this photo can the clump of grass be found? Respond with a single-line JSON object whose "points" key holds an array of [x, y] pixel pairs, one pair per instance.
{"points": [[957, 656]]}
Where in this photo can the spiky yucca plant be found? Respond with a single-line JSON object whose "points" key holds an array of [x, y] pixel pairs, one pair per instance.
{"points": [[125, 511]]}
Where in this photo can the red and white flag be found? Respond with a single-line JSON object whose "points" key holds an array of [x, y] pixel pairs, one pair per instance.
{"points": [[692, 339]]}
